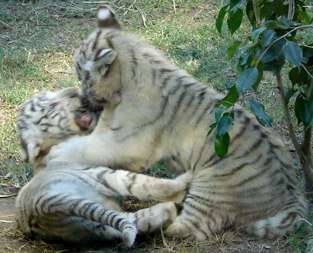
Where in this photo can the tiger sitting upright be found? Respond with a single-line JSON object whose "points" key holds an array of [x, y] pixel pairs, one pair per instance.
{"points": [[74, 203], [153, 110]]}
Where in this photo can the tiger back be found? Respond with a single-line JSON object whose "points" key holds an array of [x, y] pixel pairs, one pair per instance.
{"points": [[153, 110], [76, 203]]}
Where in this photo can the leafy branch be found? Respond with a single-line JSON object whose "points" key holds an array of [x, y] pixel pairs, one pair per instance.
{"points": [[282, 37], [272, 46]]}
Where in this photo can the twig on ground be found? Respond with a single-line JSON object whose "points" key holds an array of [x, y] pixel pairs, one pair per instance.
{"points": [[174, 6], [142, 16], [7, 196], [163, 239], [7, 221], [130, 6]]}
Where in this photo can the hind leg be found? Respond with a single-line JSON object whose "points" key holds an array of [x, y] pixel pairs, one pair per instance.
{"points": [[151, 219], [284, 221], [275, 226], [195, 220]]}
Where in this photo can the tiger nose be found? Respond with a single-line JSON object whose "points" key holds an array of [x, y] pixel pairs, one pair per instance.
{"points": [[84, 100]]}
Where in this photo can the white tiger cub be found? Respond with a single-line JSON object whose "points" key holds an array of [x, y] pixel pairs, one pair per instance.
{"points": [[154, 110], [75, 203]]}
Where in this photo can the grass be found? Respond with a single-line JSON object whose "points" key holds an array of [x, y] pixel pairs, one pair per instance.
{"points": [[38, 40], [37, 43]]}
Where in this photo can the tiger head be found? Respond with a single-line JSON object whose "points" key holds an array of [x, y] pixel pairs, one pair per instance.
{"points": [[49, 118], [96, 61]]}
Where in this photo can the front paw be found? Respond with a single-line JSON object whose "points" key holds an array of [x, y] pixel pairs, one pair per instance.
{"points": [[69, 151], [183, 181], [182, 185]]}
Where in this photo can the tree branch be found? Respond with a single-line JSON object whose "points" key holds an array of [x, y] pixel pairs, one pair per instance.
{"points": [[256, 12], [306, 161], [291, 9], [283, 36], [290, 127], [306, 144]]}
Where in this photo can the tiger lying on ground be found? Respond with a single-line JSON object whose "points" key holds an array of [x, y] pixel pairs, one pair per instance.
{"points": [[76, 203], [153, 110]]}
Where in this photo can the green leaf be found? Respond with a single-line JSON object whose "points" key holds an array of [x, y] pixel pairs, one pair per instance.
{"points": [[212, 126], [307, 50], [256, 34], [304, 110], [285, 23], [247, 79], [258, 81], [231, 97], [258, 110], [220, 19], [304, 17], [294, 76], [276, 65], [236, 4], [232, 49], [234, 20], [219, 112], [273, 52], [293, 53], [223, 125], [268, 37], [289, 95], [221, 145]]}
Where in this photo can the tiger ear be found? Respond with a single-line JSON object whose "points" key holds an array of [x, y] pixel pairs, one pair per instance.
{"points": [[101, 59], [105, 55], [106, 18]]}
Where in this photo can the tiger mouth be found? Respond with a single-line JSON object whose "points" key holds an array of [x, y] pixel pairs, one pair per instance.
{"points": [[85, 120]]}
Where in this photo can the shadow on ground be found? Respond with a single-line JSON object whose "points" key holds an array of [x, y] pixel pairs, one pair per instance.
{"points": [[12, 240]]}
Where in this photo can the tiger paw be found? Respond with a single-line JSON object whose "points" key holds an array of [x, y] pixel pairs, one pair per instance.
{"points": [[182, 183], [70, 151]]}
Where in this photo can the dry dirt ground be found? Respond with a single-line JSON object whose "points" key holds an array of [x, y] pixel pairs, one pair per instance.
{"points": [[11, 240]]}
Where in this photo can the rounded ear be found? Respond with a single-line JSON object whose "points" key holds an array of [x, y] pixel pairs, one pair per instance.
{"points": [[101, 59], [106, 18], [105, 55]]}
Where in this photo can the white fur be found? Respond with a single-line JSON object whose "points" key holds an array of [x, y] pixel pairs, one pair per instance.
{"points": [[104, 51], [164, 113], [58, 178], [87, 66], [104, 14]]}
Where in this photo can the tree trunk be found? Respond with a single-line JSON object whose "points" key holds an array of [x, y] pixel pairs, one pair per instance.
{"points": [[307, 162], [303, 150], [307, 167]]}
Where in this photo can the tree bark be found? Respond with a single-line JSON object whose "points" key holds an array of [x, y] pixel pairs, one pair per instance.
{"points": [[307, 162], [304, 151]]}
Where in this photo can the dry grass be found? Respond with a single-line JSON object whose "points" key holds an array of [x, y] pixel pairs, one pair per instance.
{"points": [[14, 241]]}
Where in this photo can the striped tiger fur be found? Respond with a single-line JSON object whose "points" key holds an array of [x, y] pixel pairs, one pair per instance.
{"points": [[75, 203], [153, 110]]}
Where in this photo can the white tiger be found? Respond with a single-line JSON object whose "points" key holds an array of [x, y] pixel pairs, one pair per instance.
{"points": [[75, 203], [153, 110]]}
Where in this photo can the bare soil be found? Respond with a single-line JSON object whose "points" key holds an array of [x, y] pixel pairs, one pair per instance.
{"points": [[12, 240]]}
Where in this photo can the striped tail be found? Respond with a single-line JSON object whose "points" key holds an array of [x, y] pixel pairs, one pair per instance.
{"points": [[70, 205]]}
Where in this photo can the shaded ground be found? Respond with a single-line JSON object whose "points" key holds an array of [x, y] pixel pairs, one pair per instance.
{"points": [[12, 240]]}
